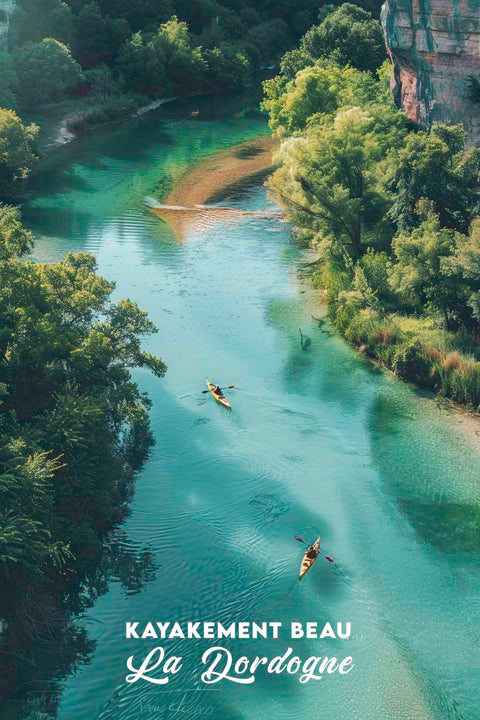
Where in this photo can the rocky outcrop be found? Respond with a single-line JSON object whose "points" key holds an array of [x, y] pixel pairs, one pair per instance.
{"points": [[435, 49], [7, 9]]}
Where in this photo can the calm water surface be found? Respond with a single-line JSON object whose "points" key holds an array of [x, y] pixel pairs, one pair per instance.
{"points": [[318, 442]]}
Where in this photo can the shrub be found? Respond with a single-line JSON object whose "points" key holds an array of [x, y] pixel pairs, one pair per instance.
{"points": [[452, 361], [410, 362], [461, 382], [16, 151], [115, 108]]}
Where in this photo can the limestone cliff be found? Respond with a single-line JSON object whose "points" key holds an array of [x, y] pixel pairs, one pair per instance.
{"points": [[435, 49], [7, 9]]}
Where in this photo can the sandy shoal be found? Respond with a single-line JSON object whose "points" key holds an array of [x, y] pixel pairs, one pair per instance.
{"points": [[209, 181]]}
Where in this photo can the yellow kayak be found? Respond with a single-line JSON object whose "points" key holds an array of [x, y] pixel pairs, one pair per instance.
{"points": [[307, 562], [219, 397]]}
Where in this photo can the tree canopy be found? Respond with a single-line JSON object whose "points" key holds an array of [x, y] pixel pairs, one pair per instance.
{"points": [[17, 156], [162, 62], [73, 425], [315, 91], [435, 166], [329, 177], [45, 70], [38, 19], [348, 36]]}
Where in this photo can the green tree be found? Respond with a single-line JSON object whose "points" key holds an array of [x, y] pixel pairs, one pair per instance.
{"points": [[17, 157], [418, 274], [162, 62], [15, 240], [349, 35], [464, 266], [45, 71], [376, 266], [292, 62], [102, 82], [435, 166], [73, 425], [38, 19], [213, 35], [316, 91], [97, 38], [140, 15], [228, 67], [8, 83], [329, 178], [270, 38]]}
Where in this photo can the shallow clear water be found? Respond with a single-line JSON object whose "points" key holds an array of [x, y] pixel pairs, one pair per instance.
{"points": [[318, 442]]}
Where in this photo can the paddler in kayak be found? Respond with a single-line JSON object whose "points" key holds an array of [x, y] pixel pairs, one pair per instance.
{"points": [[311, 555], [217, 392]]}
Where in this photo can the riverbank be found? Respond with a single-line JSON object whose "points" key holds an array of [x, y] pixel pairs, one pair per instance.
{"points": [[416, 353], [416, 350], [61, 123]]}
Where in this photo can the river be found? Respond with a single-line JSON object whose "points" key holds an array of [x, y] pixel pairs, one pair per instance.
{"points": [[318, 442]]}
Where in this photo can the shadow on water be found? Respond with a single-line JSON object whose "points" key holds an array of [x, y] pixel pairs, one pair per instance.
{"points": [[45, 184], [453, 528], [442, 506], [321, 371], [59, 223], [64, 639]]}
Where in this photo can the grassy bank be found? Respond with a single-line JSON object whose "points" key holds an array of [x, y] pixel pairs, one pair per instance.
{"points": [[415, 349], [63, 121]]}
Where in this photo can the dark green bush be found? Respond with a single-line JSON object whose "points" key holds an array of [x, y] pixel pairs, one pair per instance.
{"points": [[411, 363]]}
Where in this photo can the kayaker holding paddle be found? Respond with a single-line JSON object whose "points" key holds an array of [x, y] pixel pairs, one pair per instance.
{"points": [[217, 392], [311, 555]]}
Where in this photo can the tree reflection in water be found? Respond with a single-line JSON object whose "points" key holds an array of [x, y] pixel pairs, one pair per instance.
{"points": [[34, 666]]}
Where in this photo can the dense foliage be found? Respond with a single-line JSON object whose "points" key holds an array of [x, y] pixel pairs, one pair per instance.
{"points": [[150, 48], [347, 35], [393, 211], [45, 70], [73, 425], [171, 46], [17, 157]]}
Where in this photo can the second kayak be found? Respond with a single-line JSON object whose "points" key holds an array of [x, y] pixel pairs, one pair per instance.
{"points": [[310, 557]]}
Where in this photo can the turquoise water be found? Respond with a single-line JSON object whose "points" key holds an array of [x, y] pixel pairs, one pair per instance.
{"points": [[318, 443]]}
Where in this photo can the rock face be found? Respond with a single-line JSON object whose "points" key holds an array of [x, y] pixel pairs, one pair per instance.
{"points": [[435, 49], [7, 8]]}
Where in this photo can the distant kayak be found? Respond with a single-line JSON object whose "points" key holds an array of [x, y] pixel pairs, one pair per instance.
{"points": [[219, 396], [307, 561]]}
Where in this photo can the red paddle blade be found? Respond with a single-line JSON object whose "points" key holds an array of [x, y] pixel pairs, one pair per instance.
{"points": [[329, 558], [297, 537], [230, 387]]}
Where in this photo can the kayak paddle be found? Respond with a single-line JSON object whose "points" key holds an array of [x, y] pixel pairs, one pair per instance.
{"points": [[229, 387], [327, 557]]}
